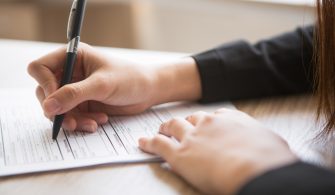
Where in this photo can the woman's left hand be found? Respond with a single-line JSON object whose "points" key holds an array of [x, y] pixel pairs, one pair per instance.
{"points": [[219, 153]]}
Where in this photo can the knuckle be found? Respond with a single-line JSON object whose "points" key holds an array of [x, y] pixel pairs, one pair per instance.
{"points": [[188, 118], [208, 119], [48, 116], [32, 67], [174, 122], [198, 115], [38, 91]]}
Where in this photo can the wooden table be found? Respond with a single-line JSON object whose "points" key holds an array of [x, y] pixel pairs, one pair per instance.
{"points": [[133, 178]]}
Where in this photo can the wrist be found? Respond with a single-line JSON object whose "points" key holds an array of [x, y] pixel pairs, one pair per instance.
{"points": [[178, 81], [253, 168]]}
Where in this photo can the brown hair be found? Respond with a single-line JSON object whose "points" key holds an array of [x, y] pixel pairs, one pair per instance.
{"points": [[325, 60]]}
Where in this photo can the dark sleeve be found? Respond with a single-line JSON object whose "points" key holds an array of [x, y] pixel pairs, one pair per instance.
{"points": [[295, 179], [278, 66]]}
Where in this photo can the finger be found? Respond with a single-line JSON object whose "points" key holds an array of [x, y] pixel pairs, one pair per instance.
{"points": [[71, 95], [159, 145], [43, 70], [53, 61], [99, 117], [176, 127], [195, 118], [40, 94], [69, 122], [85, 124], [74, 121]]}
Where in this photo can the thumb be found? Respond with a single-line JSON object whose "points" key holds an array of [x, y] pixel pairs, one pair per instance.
{"points": [[69, 96]]}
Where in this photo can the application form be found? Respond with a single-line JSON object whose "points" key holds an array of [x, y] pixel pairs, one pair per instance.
{"points": [[26, 145]]}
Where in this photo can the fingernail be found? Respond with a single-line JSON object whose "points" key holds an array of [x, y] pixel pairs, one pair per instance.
{"points": [[89, 128], [52, 106]]}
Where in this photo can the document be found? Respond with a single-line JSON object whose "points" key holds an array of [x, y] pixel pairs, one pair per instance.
{"points": [[26, 145]]}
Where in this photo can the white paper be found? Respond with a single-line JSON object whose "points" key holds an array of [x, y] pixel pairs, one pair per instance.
{"points": [[26, 145]]}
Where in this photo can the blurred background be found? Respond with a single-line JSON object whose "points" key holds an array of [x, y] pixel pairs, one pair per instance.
{"points": [[166, 25]]}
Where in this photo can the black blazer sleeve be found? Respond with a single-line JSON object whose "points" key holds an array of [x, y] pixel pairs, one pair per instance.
{"points": [[295, 179], [278, 66]]}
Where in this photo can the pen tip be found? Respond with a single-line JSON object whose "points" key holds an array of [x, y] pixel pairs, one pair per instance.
{"points": [[56, 126], [54, 136], [55, 133]]}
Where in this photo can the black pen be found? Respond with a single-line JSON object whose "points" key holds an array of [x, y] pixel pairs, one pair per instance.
{"points": [[73, 35]]}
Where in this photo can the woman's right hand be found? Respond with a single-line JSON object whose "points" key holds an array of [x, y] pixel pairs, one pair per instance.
{"points": [[108, 86]]}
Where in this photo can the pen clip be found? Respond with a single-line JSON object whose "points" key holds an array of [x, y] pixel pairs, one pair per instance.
{"points": [[71, 20]]}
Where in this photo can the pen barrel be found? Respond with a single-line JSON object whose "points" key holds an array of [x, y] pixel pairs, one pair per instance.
{"points": [[77, 19], [67, 77], [68, 68]]}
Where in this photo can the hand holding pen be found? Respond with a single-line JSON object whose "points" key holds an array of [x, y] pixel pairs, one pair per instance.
{"points": [[103, 86]]}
